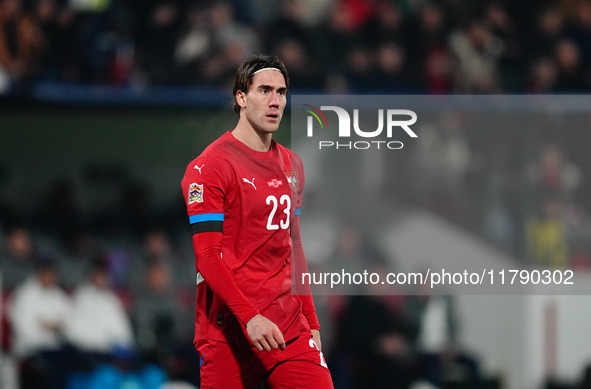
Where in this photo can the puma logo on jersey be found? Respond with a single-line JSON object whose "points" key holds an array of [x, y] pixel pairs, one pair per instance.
{"points": [[249, 182], [199, 168]]}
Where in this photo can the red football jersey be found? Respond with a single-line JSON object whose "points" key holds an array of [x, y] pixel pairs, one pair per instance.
{"points": [[252, 198]]}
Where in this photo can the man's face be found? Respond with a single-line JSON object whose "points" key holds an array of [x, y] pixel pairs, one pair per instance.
{"points": [[265, 101], [47, 277]]}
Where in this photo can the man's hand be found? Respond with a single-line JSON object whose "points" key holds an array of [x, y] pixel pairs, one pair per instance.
{"points": [[316, 337], [264, 334]]}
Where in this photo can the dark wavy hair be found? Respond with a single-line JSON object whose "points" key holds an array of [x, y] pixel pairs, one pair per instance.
{"points": [[246, 70]]}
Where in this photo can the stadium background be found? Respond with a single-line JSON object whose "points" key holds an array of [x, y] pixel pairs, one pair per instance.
{"points": [[105, 102]]}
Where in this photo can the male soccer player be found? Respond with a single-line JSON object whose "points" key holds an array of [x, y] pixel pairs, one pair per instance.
{"points": [[243, 196]]}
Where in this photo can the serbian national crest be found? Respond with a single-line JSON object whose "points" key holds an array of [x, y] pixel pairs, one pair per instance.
{"points": [[195, 193], [292, 180]]}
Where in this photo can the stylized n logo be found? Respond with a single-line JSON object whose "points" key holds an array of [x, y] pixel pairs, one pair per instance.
{"points": [[314, 112]]}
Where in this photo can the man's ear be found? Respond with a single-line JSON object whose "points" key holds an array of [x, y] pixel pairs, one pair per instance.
{"points": [[241, 98]]}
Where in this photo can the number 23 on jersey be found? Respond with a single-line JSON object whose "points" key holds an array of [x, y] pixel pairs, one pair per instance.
{"points": [[283, 206]]}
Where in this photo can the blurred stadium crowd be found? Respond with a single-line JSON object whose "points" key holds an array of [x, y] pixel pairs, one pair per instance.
{"points": [[524, 189], [443, 46], [114, 293], [88, 311]]}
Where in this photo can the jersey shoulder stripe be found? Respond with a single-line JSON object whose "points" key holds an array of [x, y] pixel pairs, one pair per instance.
{"points": [[207, 222], [206, 217]]}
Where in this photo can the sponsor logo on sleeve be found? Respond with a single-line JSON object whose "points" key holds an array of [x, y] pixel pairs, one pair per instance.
{"points": [[195, 193], [197, 167]]}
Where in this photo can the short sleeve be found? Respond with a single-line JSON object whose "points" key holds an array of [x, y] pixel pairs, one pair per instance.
{"points": [[204, 191]]}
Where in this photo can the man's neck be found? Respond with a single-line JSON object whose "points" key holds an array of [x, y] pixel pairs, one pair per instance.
{"points": [[253, 139]]}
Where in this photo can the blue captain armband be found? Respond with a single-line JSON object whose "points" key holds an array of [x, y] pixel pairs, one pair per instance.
{"points": [[207, 222], [297, 212]]}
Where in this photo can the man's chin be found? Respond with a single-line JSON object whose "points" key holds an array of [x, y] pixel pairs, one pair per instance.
{"points": [[270, 129], [266, 128]]}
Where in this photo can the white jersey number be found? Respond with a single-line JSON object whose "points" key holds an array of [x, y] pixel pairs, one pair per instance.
{"points": [[322, 360], [283, 200]]}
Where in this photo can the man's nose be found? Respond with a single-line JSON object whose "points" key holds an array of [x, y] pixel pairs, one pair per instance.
{"points": [[274, 100]]}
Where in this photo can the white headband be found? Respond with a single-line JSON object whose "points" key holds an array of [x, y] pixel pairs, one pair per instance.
{"points": [[260, 70]]}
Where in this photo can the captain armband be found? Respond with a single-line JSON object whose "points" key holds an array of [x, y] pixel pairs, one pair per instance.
{"points": [[207, 222]]}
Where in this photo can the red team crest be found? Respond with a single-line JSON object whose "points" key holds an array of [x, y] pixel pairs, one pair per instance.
{"points": [[195, 193]]}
